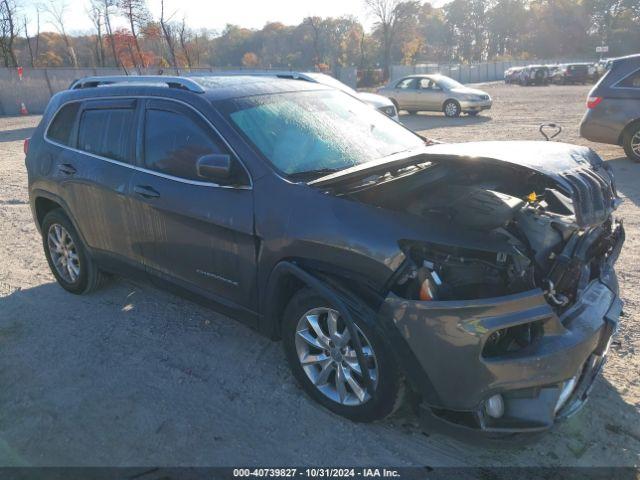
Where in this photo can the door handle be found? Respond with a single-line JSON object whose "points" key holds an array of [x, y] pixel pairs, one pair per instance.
{"points": [[67, 169], [145, 191]]}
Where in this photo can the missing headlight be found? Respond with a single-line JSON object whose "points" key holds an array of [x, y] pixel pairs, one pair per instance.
{"points": [[446, 274]]}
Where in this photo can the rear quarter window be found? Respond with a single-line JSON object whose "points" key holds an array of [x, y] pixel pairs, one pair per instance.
{"points": [[631, 81], [62, 124]]}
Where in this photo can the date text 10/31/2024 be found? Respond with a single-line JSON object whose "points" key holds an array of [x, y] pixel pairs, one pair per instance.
{"points": [[317, 472]]}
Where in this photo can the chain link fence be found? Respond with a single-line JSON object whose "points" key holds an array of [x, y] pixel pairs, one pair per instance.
{"points": [[30, 91]]}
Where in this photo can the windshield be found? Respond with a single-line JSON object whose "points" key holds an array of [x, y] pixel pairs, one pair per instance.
{"points": [[446, 82], [317, 131]]}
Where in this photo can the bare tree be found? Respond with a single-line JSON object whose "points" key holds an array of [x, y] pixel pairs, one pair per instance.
{"points": [[25, 20], [388, 14], [57, 11], [168, 35], [94, 12], [106, 12], [183, 35], [33, 53], [8, 32], [136, 13], [315, 23]]}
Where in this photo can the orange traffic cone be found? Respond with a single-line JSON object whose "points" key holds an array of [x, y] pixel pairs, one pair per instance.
{"points": [[23, 109]]}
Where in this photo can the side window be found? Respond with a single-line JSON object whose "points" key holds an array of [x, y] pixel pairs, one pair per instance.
{"points": [[173, 143], [107, 132], [428, 84], [632, 81], [62, 125], [406, 83]]}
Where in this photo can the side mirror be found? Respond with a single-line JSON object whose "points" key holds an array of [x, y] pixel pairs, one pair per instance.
{"points": [[215, 167]]}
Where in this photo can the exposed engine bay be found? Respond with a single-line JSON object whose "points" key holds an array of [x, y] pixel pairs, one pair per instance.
{"points": [[559, 228]]}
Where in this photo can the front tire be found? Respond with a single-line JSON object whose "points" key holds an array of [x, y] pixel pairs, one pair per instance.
{"points": [[67, 256], [631, 142], [321, 354], [451, 108]]}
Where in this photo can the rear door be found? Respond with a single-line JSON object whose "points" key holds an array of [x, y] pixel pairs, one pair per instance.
{"points": [[192, 231], [431, 96], [94, 168]]}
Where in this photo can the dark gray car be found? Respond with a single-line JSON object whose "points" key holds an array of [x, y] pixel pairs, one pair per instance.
{"points": [[613, 107], [478, 275]]}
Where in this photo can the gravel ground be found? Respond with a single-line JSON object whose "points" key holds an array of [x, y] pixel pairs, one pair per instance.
{"points": [[132, 375]]}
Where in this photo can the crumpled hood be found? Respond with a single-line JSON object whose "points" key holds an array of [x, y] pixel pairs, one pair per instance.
{"points": [[579, 170], [547, 157]]}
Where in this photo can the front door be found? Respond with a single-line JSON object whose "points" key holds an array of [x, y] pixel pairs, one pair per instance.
{"points": [[192, 231], [404, 92]]}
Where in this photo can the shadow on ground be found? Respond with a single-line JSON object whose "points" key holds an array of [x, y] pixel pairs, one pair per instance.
{"points": [[627, 175], [17, 134], [426, 121], [132, 375]]}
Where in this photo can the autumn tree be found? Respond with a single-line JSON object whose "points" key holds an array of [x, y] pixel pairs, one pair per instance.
{"points": [[389, 16], [250, 60], [137, 15]]}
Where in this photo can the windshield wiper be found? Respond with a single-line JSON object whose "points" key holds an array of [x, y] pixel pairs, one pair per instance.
{"points": [[313, 174]]}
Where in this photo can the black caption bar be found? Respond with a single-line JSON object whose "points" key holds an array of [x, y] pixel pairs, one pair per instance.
{"points": [[346, 473]]}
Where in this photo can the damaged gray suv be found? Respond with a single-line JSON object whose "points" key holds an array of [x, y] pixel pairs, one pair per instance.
{"points": [[479, 276]]}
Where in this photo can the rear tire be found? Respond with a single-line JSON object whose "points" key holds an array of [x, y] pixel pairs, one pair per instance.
{"points": [[330, 350], [67, 255], [631, 142]]}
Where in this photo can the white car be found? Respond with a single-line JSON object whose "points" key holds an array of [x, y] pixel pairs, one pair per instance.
{"points": [[379, 102]]}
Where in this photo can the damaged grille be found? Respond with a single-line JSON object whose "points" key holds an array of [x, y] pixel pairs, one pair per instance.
{"points": [[593, 195]]}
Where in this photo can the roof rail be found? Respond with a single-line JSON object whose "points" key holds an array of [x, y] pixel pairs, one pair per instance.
{"points": [[171, 82]]}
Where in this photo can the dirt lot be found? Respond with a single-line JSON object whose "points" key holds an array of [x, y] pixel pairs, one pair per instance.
{"points": [[134, 376]]}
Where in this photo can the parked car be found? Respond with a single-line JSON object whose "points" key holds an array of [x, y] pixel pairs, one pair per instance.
{"points": [[613, 107], [571, 73], [534, 75], [379, 102], [482, 273], [603, 65], [435, 93], [512, 75]]}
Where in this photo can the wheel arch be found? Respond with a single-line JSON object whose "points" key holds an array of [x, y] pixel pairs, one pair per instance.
{"points": [[626, 128], [450, 99], [291, 275], [44, 205], [341, 294], [43, 202]]}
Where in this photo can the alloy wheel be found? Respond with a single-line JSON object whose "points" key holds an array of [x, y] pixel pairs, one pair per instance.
{"points": [[635, 143], [64, 253], [327, 355], [451, 109]]}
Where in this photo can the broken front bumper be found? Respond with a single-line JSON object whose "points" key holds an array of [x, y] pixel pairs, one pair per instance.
{"points": [[539, 384]]}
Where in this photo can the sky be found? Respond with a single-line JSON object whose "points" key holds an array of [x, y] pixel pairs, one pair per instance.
{"points": [[215, 14]]}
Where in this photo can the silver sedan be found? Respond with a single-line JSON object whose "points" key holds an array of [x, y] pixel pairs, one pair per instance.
{"points": [[435, 93]]}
